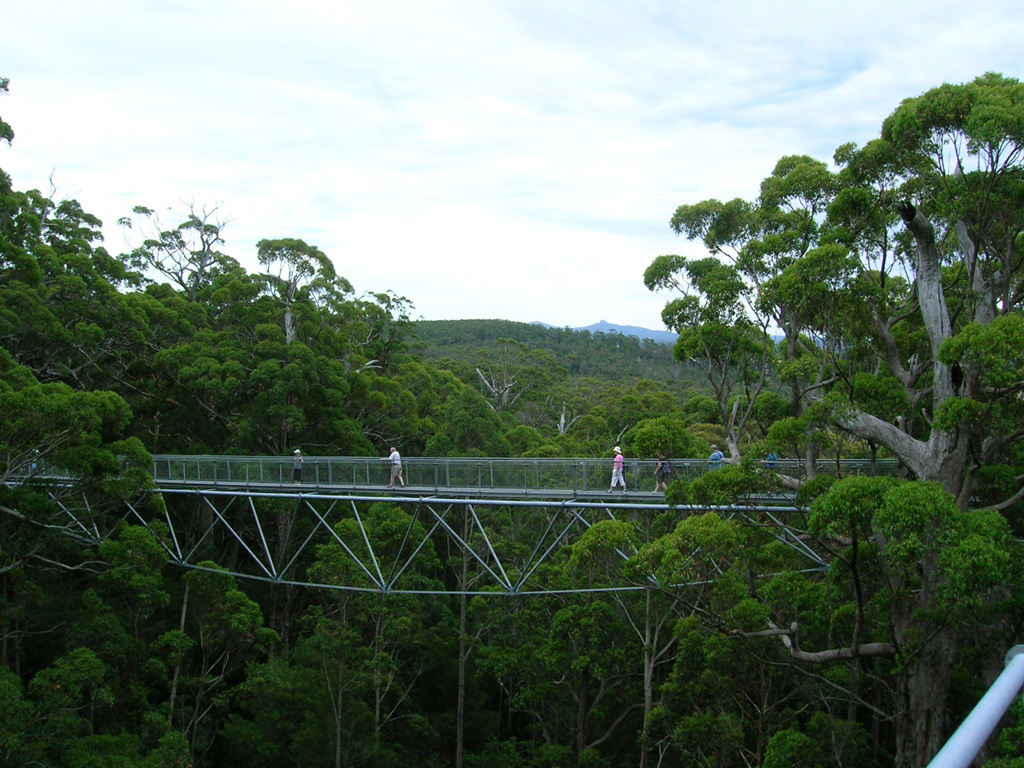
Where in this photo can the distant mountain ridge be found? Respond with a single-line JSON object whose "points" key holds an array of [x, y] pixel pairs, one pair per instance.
{"points": [[662, 337]]}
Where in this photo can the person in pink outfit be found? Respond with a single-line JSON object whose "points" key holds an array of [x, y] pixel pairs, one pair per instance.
{"points": [[618, 470]]}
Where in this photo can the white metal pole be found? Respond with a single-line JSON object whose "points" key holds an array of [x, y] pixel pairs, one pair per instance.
{"points": [[973, 732]]}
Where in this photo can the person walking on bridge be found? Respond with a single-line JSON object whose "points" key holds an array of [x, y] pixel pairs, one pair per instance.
{"points": [[618, 470], [396, 467], [716, 458], [297, 467], [662, 473]]}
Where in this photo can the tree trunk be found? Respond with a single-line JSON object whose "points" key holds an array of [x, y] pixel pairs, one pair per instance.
{"points": [[927, 650], [649, 652], [177, 666], [283, 595], [943, 456], [921, 720], [582, 705], [338, 702]]}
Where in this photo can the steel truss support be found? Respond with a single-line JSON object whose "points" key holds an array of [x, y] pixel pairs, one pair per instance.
{"points": [[273, 536]]}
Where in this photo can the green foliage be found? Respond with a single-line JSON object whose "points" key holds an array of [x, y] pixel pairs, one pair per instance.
{"points": [[690, 553], [792, 749], [819, 290], [812, 489], [986, 112], [961, 560], [995, 349], [663, 434], [134, 580], [170, 752], [475, 429], [679, 493], [600, 548], [608, 356], [914, 519], [16, 717], [701, 409], [723, 486], [849, 506], [227, 618], [1008, 749], [71, 694], [880, 394], [6, 132], [56, 424], [999, 482], [772, 407], [524, 440], [979, 562]]}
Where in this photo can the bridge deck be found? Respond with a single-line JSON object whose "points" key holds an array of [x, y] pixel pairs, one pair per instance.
{"points": [[462, 477]]}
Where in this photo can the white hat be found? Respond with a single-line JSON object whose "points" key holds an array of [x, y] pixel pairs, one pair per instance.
{"points": [[617, 449], [297, 451]]}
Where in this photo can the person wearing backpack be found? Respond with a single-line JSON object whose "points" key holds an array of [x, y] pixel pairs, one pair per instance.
{"points": [[662, 473], [716, 457]]}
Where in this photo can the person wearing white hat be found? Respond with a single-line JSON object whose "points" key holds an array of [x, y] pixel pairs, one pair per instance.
{"points": [[618, 470], [297, 467]]}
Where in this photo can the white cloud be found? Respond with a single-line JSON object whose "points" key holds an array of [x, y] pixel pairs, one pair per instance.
{"points": [[516, 159]]}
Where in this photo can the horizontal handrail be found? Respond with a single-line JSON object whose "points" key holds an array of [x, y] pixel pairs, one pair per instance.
{"points": [[577, 474]]}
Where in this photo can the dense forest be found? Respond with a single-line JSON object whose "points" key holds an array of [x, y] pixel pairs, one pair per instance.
{"points": [[611, 356], [867, 308]]}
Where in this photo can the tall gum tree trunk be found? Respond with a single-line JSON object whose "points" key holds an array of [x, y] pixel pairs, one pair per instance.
{"points": [[920, 725], [645, 735], [943, 457], [926, 651]]}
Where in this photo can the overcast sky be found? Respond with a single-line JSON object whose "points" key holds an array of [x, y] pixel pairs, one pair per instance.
{"points": [[514, 159]]}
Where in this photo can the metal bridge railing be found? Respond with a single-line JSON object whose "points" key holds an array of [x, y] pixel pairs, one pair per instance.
{"points": [[582, 475]]}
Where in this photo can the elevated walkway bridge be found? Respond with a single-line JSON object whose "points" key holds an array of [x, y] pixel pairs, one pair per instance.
{"points": [[508, 517], [490, 477]]}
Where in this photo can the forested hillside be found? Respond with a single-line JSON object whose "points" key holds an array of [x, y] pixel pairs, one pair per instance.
{"points": [[610, 356], [896, 283]]}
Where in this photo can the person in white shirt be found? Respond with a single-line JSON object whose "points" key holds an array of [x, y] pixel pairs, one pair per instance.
{"points": [[396, 468]]}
